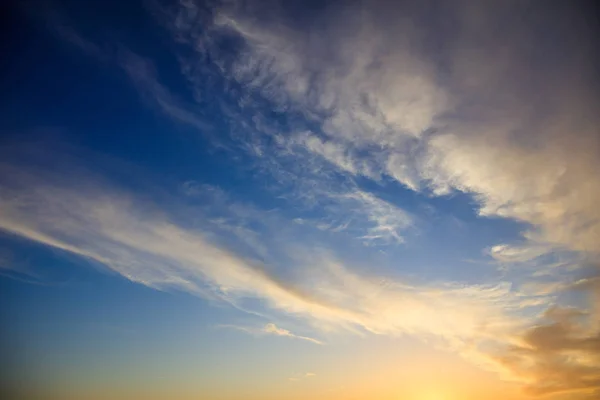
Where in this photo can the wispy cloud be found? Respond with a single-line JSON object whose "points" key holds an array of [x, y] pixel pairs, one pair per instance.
{"points": [[146, 245], [299, 377], [361, 214], [338, 154], [518, 254], [150, 245], [274, 330], [143, 75], [472, 111], [271, 329], [371, 93], [350, 209], [386, 222], [381, 97], [484, 129]]}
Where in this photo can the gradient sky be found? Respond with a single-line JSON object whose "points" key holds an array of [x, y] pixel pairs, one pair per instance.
{"points": [[300, 200]]}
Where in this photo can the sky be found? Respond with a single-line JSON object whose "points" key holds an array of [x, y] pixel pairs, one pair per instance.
{"points": [[334, 200]]}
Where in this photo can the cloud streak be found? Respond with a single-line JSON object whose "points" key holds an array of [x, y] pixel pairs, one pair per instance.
{"points": [[373, 86], [274, 330], [150, 245], [299, 377], [377, 92], [146, 244], [477, 112]]}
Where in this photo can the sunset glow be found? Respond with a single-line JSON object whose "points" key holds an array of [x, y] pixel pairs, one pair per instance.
{"points": [[293, 200]]}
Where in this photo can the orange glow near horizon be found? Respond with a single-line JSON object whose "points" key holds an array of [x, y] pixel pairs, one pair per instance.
{"points": [[434, 394]]}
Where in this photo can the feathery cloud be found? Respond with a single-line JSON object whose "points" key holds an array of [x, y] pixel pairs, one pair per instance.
{"points": [[373, 86], [148, 245], [471, 111], [299, 377], [481, 113], [271, 329]]}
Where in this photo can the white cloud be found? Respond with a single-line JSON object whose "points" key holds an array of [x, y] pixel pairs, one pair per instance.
{"points": [[375, 88], [385, 221], [472, 110], [144, 244], [148, 245], [361, 214], [334, 152], [475, 111], [518, 254], [271, 329], [299, 377], [550, 189]]}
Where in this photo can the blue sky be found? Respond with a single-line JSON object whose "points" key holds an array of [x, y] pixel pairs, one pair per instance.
{"points": [[302, 199]]}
